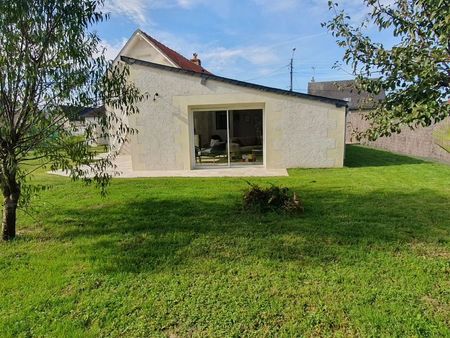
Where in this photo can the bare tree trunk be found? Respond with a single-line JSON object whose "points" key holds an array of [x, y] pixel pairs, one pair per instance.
{"points": [[11, 198]]}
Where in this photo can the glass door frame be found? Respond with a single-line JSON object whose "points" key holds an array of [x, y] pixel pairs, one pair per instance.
{"points": [[228, 109]]}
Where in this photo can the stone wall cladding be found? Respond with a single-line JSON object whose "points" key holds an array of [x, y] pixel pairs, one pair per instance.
{"points": [[419, 142]]}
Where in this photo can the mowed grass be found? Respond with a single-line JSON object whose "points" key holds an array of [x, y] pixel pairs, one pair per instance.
{"points": [[177, 257]]}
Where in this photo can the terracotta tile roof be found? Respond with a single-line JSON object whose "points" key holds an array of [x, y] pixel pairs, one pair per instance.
{"points": [[175, 57]]}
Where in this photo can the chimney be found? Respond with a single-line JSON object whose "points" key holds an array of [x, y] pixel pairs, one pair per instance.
{"points": [[196, 60]]}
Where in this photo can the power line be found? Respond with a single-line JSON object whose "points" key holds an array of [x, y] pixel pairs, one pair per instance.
{"points": [[268, 74], [295, 39]]}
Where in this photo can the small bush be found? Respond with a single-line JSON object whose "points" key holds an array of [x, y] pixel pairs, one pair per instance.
{"points": [[272, 198]]}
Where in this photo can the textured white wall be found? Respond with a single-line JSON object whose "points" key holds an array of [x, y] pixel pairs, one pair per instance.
{"points": [[138, 47], [298, 132]]}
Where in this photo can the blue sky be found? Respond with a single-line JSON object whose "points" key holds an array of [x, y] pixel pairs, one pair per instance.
{"points": [[249, 40]]}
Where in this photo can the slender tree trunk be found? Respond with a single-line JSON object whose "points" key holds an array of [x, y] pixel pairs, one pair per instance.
{"points": [[10, 200]]}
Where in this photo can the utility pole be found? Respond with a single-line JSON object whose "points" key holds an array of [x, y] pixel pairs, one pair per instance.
{"points": [[292, 68]]}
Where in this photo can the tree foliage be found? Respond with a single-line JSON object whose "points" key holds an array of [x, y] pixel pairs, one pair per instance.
{"points": [[414, 72], [51, 61]]}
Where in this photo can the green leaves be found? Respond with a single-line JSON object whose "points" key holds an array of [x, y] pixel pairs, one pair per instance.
{"points": [[414, 73], [50, 63]]}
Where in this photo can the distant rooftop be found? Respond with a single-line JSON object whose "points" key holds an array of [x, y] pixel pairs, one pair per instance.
{"points": [[92, 112], [345, 90]]}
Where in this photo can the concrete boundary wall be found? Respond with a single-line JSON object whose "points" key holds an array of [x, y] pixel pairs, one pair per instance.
{"points": [[428, 142]]}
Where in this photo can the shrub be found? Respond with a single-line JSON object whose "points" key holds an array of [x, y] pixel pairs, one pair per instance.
{"points": [[272, 198]]}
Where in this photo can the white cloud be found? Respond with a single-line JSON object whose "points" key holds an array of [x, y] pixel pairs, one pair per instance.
{"points": [[190, 3], [140, 10], [278, 5], [217, 58], [221, 58], [133, 9], [111, 50], [253, 59], [356, 9]]}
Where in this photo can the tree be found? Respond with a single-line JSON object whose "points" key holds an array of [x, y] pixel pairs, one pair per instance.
{"points": [[415, 72], [50, 61]]}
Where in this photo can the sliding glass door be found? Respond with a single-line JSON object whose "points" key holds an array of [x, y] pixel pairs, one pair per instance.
{"points": [[246, 137], [228, 137], [210, 138]]}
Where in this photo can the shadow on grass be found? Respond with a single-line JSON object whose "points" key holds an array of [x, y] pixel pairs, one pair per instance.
{"points": [[359, 156], [156, 235]]}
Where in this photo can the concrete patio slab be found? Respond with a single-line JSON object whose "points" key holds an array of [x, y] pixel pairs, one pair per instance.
{"points": [[124, 170]]}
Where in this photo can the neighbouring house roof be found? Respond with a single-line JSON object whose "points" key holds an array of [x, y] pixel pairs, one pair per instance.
{"points": [[76, 113], [345, 90], [92, 112], [72, 113], [175, 57], [207, 76]]}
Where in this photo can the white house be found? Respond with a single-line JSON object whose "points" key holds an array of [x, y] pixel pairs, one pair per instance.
{"points": [[195, 119], [83, 117]]}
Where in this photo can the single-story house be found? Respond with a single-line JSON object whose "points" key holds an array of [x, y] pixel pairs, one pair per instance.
{"points": [[79, 118], [195, 119], [90, 116]]}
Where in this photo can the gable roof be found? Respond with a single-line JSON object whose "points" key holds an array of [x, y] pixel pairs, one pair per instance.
{"points": [[345, 90], [207, 76], [175, 57]]}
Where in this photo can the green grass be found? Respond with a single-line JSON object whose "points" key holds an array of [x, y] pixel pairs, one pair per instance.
{"points": [[177, 257]]}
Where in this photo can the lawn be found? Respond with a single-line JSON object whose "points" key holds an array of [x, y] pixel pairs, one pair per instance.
{"points": [[177, 257]]}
